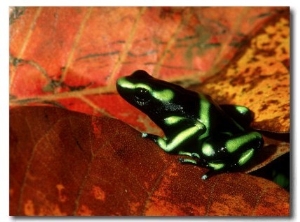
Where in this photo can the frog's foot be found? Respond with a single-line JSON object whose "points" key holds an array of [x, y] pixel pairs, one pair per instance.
{"points": [[193, 155], [148, 135], [190, 161], [205, 176], [152, 137]]}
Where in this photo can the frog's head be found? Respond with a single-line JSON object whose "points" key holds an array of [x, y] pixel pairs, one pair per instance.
{"points": [[152, 96]]}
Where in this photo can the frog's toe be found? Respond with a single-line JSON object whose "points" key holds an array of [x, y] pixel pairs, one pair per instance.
{"points": [[144, 135], [208, 174], [204, 177], [195, 155]]}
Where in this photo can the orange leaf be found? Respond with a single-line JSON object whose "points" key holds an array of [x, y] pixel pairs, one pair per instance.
{"points": [[260, 78]]}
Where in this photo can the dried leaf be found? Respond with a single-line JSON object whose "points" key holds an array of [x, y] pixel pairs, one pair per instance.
{"points": [[260, 78]]}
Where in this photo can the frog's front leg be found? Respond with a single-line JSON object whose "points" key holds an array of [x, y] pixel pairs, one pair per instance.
{"points": [[177, 134]]}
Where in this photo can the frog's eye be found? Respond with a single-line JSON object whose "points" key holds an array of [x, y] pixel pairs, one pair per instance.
{"points": [[142, 96]]}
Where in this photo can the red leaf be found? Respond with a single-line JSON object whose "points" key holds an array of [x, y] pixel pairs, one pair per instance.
{"points": [[72, 56], [68, 163]]}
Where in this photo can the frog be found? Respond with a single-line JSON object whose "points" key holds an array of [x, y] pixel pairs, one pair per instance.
{"points": [[204, 133]]}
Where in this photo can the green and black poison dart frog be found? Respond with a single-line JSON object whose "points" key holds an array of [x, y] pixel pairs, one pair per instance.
{"points": [[213, 136]]}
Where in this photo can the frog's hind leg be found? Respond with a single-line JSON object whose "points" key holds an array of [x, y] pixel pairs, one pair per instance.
{"points": [[240, 114]]}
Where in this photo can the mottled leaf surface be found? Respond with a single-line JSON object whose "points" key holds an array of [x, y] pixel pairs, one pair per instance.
{"points": [[68, 163], [260, 78]]}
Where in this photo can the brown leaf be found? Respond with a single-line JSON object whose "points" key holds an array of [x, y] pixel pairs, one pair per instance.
{"points": [[67, 163]]}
